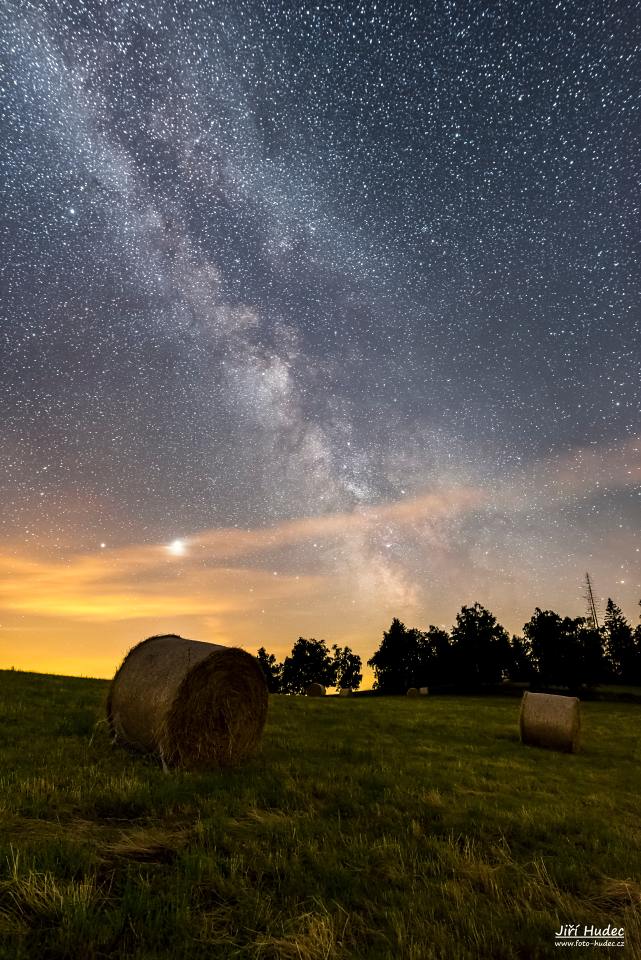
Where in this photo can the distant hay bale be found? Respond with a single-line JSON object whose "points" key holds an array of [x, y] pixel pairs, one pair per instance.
{"points": [[344, 692], [423, 691], [193, 704], [315, 690], [412, 692], [548, 720]]}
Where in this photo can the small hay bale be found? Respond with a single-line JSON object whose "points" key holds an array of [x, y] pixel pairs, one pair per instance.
{"points": [[193, 704], [423, 691], [344, 692], [548, 720], [315, 690], [412, 692]]}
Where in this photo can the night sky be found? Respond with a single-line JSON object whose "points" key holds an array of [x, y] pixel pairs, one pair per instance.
{"points": [[314, 315]]}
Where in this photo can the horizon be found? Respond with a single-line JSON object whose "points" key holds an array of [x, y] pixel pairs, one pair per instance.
{"points": [[85, 606]]}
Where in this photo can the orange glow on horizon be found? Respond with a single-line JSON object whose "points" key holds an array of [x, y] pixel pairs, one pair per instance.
{"points": [[326, 576], [80, 615]]}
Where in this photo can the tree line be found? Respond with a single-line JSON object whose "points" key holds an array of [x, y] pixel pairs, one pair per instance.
{"points": [[554, 651], [311, 662]]}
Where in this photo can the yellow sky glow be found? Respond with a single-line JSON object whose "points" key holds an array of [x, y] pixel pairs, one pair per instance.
{"points": [[325, 576]]}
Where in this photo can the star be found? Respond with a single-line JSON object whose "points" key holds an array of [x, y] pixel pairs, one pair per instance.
{"points": [[177, 548]]}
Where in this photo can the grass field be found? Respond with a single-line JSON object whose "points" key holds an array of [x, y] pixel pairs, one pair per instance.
{"points": [[366, 827]]}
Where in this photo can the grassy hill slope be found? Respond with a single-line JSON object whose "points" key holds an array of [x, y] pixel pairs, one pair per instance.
{"points": [[366, 827]]}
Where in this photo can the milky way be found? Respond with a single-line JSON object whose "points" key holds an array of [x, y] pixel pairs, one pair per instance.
{"points": [[265, 262]]}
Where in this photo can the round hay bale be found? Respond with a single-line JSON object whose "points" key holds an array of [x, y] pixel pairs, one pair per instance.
{"points": [[412, 692], [193, 704], [548, 720], [344, 692], [315, 690], [423, 691]]}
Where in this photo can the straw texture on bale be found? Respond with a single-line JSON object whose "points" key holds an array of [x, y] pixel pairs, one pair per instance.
{"points": [[193, 704], [315, 690], [412, 692], [344, 692], [549, 720], [423, 691]]}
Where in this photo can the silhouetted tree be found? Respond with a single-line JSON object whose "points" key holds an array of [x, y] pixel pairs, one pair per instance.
{"points": [[591, 665], [520, 668], [309, 662], [348, 668], [621, 649], [480, 647], [271, 669], [553, 644], [434, 658], [635, 670], [396, 661]]}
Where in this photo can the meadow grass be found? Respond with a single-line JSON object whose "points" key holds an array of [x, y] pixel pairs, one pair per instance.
{"points": [[365, 827]]}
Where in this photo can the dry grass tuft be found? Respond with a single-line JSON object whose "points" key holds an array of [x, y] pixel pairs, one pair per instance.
{"points": [[146, 846], [30, 897], [620, 893], [317, 935]]}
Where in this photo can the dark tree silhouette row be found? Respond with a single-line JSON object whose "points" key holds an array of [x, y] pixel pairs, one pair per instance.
{"points": [[311, 662], [554, 651]]}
